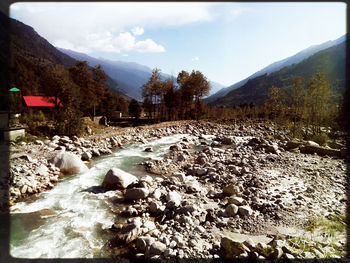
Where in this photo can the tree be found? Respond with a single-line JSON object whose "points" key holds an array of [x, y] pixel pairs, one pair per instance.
{"points": [[152, 90], [193, 87], [134, 109], [67, 117], [319, 110]]}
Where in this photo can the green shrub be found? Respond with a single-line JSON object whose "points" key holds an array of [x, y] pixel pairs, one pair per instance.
{"points": [[321, 138]]}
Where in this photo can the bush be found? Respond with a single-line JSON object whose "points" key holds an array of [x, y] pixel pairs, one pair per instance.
{"points": [[321, 138]]}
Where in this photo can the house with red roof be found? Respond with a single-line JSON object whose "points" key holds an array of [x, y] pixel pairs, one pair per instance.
{"points": [[41, 102]]}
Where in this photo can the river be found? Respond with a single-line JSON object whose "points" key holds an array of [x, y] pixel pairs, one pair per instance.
{"points": [[69, 221]]}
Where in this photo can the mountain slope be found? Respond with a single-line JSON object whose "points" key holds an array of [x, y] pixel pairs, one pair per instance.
{"points": [[295, 59], [331, 61], [31, 53], [129, 75]]}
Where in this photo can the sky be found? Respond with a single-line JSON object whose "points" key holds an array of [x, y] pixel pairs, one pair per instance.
{"points": [[226, 41]]}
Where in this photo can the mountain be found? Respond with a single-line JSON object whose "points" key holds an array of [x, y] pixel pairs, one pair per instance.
{"points": [[215, 87], [330, 61], [30, 54], [129, 75], [295, 59]]}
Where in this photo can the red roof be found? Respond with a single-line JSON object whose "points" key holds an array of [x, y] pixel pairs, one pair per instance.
{"points": [[39, 101]]}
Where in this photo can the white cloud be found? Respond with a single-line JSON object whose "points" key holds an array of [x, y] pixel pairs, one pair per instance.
{"points": [[195, 59], [137, 31], [107, 26], [105, 41]]}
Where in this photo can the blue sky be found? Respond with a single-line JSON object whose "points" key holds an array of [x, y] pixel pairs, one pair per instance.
{"points": [[227, 41]]}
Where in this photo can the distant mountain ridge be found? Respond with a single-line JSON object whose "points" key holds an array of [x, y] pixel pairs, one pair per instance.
{"points": [[129, 75], [330, 61], [31, 52], [295, 59]]}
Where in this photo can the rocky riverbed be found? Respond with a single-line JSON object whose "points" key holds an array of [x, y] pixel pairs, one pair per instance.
{"points": [[239, 190]]}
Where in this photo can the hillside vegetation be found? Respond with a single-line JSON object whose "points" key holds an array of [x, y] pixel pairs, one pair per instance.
{"points": [[331, 61]]}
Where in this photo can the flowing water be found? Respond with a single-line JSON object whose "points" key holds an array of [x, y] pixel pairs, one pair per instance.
{"points": [[70, 221]]}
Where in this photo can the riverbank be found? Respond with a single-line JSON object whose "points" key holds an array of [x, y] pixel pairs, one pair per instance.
{"points": [[249, 191]]}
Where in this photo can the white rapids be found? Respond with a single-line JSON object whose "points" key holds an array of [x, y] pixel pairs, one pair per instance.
{"points": [[70, 222]]}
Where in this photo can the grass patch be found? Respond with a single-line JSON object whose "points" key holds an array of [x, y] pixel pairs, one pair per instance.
{"points": [[325, 237]]}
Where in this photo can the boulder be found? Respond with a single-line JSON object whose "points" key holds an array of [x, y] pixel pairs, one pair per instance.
{"points": [[231, 248], [312, 143], [231, 210], [143, 242], [149, 149], [231, 189], [157, 248], [174, 197], [129, 233], [176, 147], [228, 140], [136, 193], [236, 200], [245, 210], [321, 151], [86, 156], [68, 163], [117, 179], [292, 145]]}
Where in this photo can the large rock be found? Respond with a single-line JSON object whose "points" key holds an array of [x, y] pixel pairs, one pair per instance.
{"points": [[117, 179], [231, 248], [309, 149], [245, 210], [68, 163], [174, 197], [231, 189], [136, 193], [129, 233], [157, 248], [232, 209]]}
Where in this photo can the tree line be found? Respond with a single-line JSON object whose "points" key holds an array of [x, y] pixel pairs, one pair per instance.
{"points": [[173, 99], [81, 91]]}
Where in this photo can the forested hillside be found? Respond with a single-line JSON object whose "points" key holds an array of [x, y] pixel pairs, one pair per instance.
{"points": [[30, 54], [330, 61]]}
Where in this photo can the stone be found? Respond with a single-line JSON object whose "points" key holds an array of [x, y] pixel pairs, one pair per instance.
{"points": [[176, 148], [38, 142], [42, 170], [27, 158], [272, 149], [231, 210], [236, 200], [136, 193], [200, 229], [68, 163], [231, 248], [201, 171], [157, 248], [95, 152], [321, 151], [129, 233], [228, 140], [231, 189], [143, 242], [117, 179], [175, 197], [86, 156], [181, 157], [292, 145], [180, 176], [149, 149], [245, 210], [193, 187], [312, 143]]}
